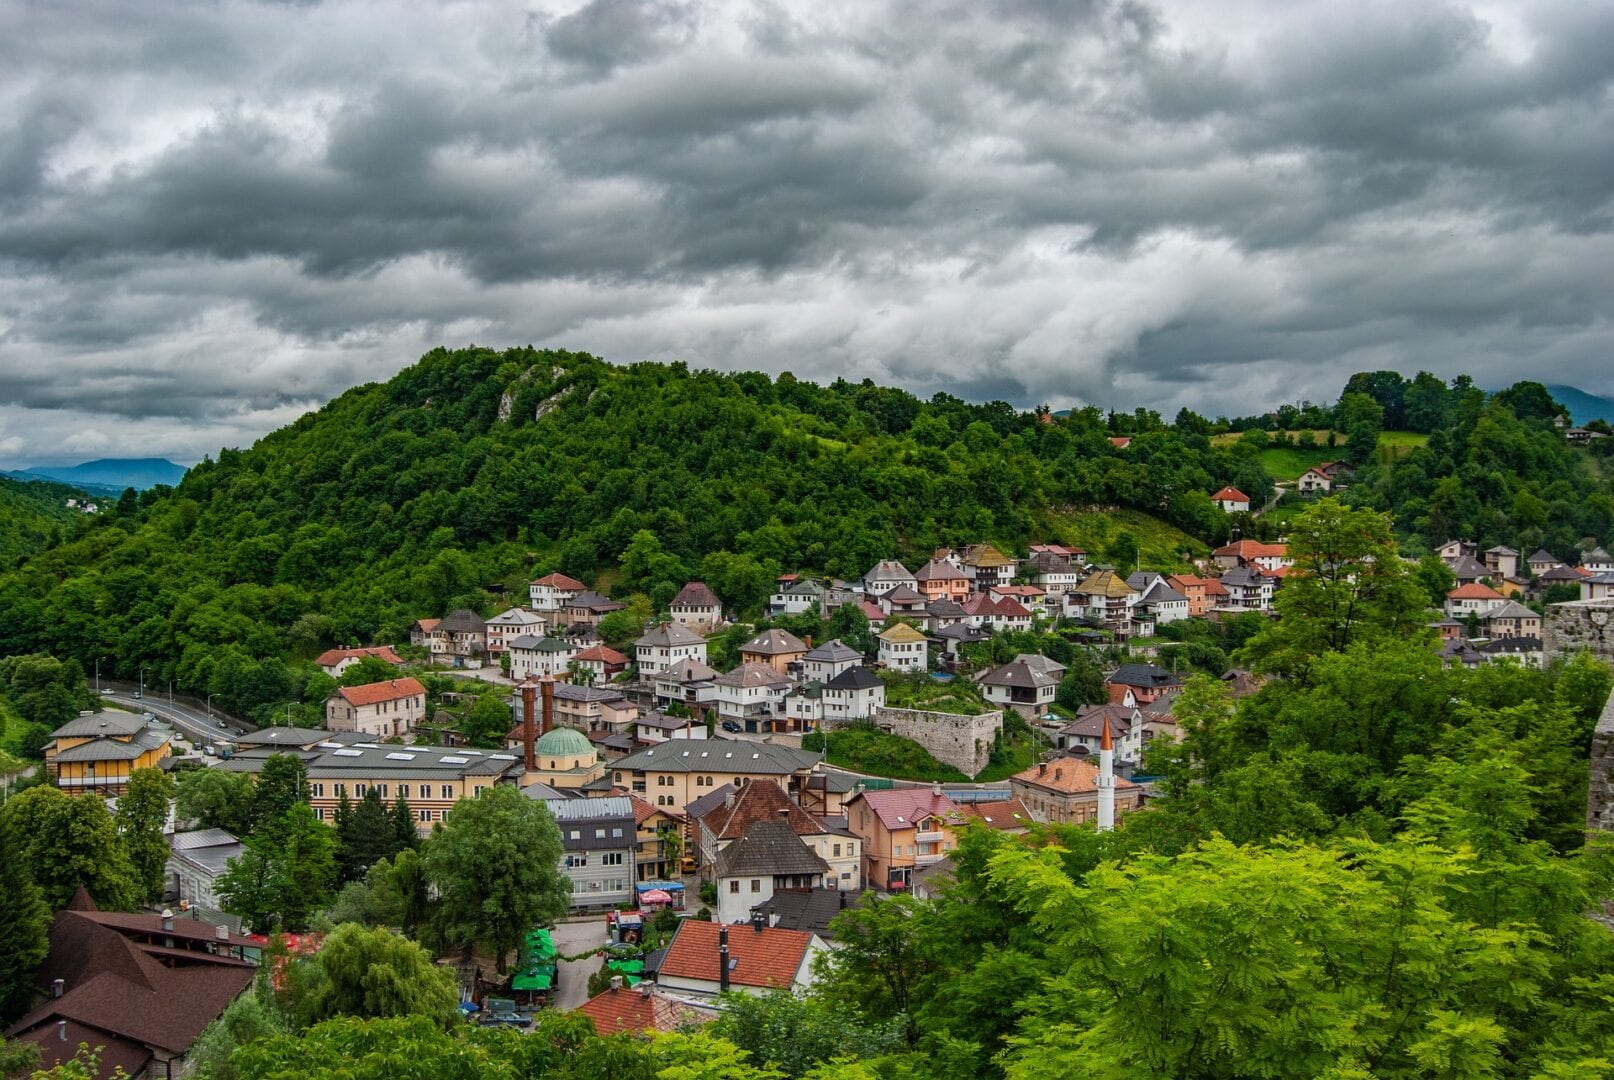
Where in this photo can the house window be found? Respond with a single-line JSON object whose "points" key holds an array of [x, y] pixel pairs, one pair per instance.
{"points": [[424, 815], [756, 886], [611, 858], [837, 850], [319, 813], [448, 791], [318, 790], [734, 886]]}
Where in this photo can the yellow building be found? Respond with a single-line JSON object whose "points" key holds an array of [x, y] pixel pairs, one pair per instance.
{"points": [[677, 772], [98, 751], [566, 760]]}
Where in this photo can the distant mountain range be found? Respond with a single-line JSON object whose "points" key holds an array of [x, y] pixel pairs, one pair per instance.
{"points": [[109, 474], [1581, 405]]}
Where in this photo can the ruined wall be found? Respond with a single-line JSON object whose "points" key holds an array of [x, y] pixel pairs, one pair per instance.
{"points": [[1600, 791], [964, 742], [1576, 625]]}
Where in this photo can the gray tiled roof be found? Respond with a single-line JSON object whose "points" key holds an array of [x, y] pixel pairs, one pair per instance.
{"points": [[717, 755], [111, 722]]}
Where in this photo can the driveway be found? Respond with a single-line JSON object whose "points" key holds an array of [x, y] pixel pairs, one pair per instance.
{"points": [[570, 938]]}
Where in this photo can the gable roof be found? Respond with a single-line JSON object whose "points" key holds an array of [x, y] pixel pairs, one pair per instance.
{"points": [[461, 621], [604, 654], [1544, 556], [763, 958], [904, 594], [752, 673], [1018, 673], [811, 910], [1473, 591], [856, 677], [899, 808], [1468, 567], [1253, 549], [888, 570], [112, 723], [766, 849], [984, 555], [730, 819], [1000, 814], [1069, 776], [560, 582], [377, 692], [332, 657], [900, 634], [642, 1008], [696, 594], [688, 670], [669, 634], [833, 651], [1230, 494], [775, 642], [1512, 610], [1104, 583], [940, 570], [1143, 675]]}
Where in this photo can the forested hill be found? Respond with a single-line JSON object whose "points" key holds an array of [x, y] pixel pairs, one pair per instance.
{"points": [[33, 514], [474, 468]]}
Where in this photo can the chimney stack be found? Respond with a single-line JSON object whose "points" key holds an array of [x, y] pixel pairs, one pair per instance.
{"points": [[548, 684], [58, 987], [168, 919], [758, 921], [809, 641], [723, 958], [221, 932], [529, 727], [935, 787], [616, 983]]}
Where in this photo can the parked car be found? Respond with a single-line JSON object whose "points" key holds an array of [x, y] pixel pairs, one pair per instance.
{"points": [[731, 726], [108, 692]]}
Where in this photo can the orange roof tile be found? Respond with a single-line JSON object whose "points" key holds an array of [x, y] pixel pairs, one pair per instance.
{"points": [[1003, 814], [1473, 591], [1069, 776], [604, 654], [377, 692], [1230, 493], [332, 657], [766, 957], [1254, 549], [561, 581], [632, 1011]]}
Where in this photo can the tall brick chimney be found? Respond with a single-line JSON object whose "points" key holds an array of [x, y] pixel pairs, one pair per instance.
{"points": [[548, 683], [723, 958], [529, 726]]}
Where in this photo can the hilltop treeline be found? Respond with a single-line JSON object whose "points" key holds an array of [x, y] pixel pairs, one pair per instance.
{"points": [[469, 472]]}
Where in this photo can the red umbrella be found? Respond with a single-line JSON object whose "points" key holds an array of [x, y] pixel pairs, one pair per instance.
{"points": [[656, 896]]}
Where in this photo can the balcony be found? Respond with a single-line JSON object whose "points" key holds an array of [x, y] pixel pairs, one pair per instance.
{"points": [[928, 860], [928, 837]]}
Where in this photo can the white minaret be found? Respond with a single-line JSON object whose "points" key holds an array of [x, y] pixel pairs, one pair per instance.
{"points": [[1106, 780]]}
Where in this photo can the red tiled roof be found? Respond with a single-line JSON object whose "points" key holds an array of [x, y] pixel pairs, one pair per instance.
{"points": [[427, 625], [696, 594], [1214, 587], [872, 612], [633, 1011], [1253, 549], [899, 808], [1473, 591], [1230, 493], [377, 692], [766, 957], [1004, 814], [561, 582], [603, 653], [332, 657], [1069, 776], [1121, 441]]}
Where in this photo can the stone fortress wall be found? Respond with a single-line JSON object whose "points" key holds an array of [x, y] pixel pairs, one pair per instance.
{"points": [[1567, 629], [964, 742]]}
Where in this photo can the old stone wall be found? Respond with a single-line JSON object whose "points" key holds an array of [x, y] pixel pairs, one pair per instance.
{"points": [[964, 742], [1576, 625], [1600, 791]]}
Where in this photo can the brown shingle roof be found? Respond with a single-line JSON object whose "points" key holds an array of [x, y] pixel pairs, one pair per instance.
{"points": [[1004, 814], [766, 957], [634, 1011], [1069, 776], [729, 820], [696, 594], [331, 657]]}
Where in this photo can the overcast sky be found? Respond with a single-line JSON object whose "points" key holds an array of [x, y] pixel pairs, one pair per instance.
{"points": [[214, 216]]}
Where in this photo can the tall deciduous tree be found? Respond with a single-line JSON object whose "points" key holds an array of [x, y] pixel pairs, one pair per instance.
{"points": [[142, 814], [282, 784], [1347, 584], [215, 799], [495, 864], [65, 842], [285, 873], [24, 920]]}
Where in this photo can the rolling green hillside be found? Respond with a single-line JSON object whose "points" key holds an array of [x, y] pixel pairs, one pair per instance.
{"points": [[475, 468], [31, 514]]}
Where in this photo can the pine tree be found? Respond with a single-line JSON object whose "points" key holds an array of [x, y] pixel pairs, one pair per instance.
{"points": [[404, 833], [369, 837], [24, 920]]}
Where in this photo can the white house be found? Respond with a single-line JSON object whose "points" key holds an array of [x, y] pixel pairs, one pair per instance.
{"points": [[1247, 590], [768, 858], [512, 624], [903, 648], [852, 695], [665, 645], [1473, 599], [381, 709], [829, 659], [334, 662], [795, 598], [195, 862], [1232, 500], [760, 958], [1026, 688], [753, 696], [886, 575], [550, 592], [696, 605], [533, 657], [689, 682]]}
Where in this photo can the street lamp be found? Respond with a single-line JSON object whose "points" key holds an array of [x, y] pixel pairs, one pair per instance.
{"points": [[210, 706], [98, 660], [142, 691]]}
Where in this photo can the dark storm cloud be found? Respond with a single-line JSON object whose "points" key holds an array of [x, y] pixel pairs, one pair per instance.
{"points": [[212, 217]]}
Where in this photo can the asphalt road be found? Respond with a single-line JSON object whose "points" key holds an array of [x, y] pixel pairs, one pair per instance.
{"points": [[571, 938], [192, 722]]}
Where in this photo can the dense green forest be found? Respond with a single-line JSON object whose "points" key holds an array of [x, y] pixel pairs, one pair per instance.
{"points": [[473, 470], [33, 515]]}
